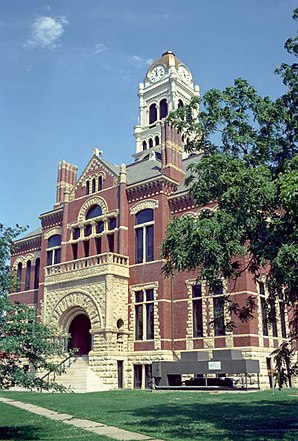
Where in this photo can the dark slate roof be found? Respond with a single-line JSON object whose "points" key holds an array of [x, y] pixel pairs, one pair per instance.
{"points": [[115, 168], [185, 163], [142, 170], [31, 234]]}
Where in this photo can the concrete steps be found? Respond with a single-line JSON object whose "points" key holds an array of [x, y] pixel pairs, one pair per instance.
{"points": [[80, 378]]}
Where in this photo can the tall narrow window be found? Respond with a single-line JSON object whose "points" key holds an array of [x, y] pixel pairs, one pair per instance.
{"points": [[86, 248], [98, 245], [36, 273], [99, 183], [87, 187], [19, 276], [93, 185], [144, 236], [150, 142], [144, 145], [282, 314], [76, 233], [144, 314], [263, 308], [197, 312], [273, 319], [218, 311], [28, 275], [152, 113], [137, 382], [74, 251], [54, 250], [88, 230], [156, 140], [163, 108], [111, 243], [180, 104]]}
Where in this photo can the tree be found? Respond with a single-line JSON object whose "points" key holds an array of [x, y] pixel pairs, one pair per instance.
{"points": [[249, 166], [26, 345]]}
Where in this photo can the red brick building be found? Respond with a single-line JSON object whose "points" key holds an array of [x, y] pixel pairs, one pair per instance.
{"points": [[93, 267]]}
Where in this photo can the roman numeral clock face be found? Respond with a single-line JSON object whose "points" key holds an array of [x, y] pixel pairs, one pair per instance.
{"points": [[156, 74]]}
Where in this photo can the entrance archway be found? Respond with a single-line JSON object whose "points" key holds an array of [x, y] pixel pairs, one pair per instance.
{"points": [[80, 335]]}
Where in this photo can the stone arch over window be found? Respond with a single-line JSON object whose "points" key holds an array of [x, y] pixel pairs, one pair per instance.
{"points": [[73, 304], [88, 204], [93, 211], [150, 143], [152, 113], [144, 145], [156, 140], [180, 104], [150, 203], [163, 108], [52, 232]]}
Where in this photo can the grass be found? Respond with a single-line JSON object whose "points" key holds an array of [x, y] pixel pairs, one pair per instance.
{"points": [[20, 425], [176, 416]]}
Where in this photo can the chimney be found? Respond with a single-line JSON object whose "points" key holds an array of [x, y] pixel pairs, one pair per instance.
{"points": [[67, 177], [171, 153]]}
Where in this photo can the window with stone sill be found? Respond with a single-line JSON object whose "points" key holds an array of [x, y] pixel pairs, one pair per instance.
{"points": [[54, 250], [263, 308], [19, 276], [28, 275], [144, 314], [36, 273], [144, 231], [197, 311], [218, 311]]}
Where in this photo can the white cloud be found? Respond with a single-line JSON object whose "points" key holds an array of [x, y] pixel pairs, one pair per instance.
{"points": [[139, 61], [99, 48], [46, 32]]}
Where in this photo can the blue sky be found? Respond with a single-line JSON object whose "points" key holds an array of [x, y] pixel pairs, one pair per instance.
{"points": [[69, 74]]}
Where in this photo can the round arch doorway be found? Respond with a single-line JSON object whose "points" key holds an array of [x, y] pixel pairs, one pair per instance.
{"points": [[80, 335]]}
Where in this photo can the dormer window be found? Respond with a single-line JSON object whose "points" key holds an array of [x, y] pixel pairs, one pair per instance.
{"points": [[152, 113]]}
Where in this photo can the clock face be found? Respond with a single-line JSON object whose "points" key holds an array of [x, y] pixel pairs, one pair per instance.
{"points": [[156, 74], [184, 74]]}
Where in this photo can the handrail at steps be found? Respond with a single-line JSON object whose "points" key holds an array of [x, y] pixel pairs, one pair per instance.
{"points": [[60, 368]]}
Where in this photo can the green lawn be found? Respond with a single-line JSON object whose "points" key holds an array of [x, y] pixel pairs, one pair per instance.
{"points": [[19, 425], [177, 416]]}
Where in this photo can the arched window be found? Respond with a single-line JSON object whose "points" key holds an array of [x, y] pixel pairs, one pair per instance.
{"points": [[99, 183], [87, 187], [150, 142], [152, 113], [93, 185], [180, 104], [19, 276], [36, 273], [28, 275], [94, 211], [54, 250], [156, 140], [163, 108], [144, 145], [144, 236]]}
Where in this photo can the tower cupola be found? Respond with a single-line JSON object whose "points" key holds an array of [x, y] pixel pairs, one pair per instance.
{"points": [[168, 85]]}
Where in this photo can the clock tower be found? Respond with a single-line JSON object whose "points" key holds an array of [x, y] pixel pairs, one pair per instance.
{"points": [[167, 85]]}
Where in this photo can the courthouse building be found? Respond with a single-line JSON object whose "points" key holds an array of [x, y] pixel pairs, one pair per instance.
{"points": [[93, 267]]}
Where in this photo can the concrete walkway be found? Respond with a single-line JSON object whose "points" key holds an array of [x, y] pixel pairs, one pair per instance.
{"points": [[91, 426]]}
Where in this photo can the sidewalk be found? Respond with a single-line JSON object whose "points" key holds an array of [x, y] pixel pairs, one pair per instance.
{"points": [[91, 426]]}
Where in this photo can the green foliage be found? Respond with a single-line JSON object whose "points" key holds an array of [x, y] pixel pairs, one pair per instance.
{"points": [[7, 236], [248, 167], [26, 345]]}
